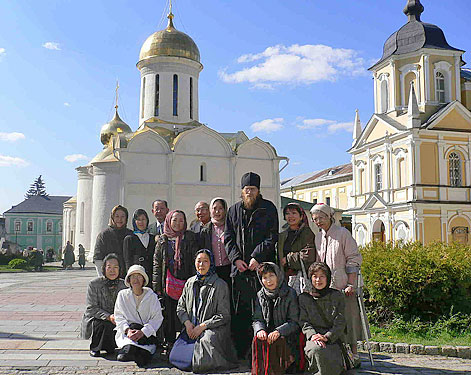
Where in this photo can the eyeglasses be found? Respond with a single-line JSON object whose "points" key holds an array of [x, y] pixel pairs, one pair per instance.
{"points": [[319, 218]]}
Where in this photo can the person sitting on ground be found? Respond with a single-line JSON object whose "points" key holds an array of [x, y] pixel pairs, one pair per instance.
{"points": [[111, 239], [173, 264], [138, 248], [202, 217], [98, 321], [204, 310], [296, 245], [138, 316], [322, 318], [275, 323], [212, 238]]}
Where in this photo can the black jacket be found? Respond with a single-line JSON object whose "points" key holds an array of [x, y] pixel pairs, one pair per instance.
{"points": [[134, 252], [111, 241], [285, 312], [256, 239], [189, 247]]}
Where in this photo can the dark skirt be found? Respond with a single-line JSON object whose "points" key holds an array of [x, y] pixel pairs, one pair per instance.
{"points": [[102, 336], [171, 323]]}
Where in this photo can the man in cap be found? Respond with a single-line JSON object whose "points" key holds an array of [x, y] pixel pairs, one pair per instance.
{"points": [[250, 236]]}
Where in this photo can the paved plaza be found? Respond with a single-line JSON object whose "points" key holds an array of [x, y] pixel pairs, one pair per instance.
{"points": [[40, 316]]}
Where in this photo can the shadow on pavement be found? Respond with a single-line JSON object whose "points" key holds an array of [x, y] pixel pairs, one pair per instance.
{"points": [[20, 336]]}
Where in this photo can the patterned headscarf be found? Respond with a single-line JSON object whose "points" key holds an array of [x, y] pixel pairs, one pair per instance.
{"points": [[169, 232], [325, 209], [297, 207], [212, 267]]}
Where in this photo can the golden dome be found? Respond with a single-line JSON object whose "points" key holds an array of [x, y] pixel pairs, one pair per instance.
{"points": [[114, 127], [170, 42]]}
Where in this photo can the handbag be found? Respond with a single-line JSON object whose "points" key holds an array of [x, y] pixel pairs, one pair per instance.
{"points": [[300, 282], [181, 355], [174, 286]]}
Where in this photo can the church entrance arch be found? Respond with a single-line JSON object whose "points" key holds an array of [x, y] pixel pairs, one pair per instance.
{"points": [[379, 231]]}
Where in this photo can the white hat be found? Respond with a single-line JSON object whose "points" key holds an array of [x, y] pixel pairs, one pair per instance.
{"points": [[136, 268], [324, 208]]}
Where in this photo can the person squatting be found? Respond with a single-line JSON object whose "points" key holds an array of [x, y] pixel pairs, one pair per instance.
{"points": [[287, 300]]}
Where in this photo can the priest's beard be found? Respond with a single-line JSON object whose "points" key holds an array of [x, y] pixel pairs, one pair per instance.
{"points": [[249, 201]]}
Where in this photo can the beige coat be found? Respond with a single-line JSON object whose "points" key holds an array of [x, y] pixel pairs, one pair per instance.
{"points": [[342, 254]]}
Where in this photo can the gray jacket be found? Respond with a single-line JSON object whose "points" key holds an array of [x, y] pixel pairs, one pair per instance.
{"points": [[100, 303], [285, 312]]}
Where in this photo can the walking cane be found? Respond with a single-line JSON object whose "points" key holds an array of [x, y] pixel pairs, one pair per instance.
{"points": [[364, 319]]}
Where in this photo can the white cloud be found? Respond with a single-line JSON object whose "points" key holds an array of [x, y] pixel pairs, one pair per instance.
{"points": [[320, 123], [3, 52], [11, 161], [52, 45], [296, 64], [67, 104], [11, 137], [75, 157], [269, 125]]}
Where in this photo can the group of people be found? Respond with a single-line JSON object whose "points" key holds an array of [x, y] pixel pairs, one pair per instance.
{"points": [[287, 299]]}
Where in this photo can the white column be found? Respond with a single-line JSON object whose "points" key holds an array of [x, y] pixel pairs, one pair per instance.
{"points": [[106, 187], [393, 85], [375, 91], [427, 77], [85, 196], [458, 77], [388, 171]]}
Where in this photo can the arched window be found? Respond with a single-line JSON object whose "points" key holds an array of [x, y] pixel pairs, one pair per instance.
{"points": [[401, 173], [454, 168], [143, 96], [82, 217], [384, 96], [203, 172], [157, 93], [440, 87], [175, 95], [378, 173], [191, 98]]}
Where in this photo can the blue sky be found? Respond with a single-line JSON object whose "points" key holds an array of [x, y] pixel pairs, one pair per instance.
{"points": [[291, 72]]}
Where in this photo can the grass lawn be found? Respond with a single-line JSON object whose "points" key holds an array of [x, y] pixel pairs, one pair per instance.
{"points": [[4, 268], [391, 334]]}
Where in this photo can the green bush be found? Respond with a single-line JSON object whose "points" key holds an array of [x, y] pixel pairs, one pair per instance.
{"points": [[18, 264], [411, 280], [5, 258]]}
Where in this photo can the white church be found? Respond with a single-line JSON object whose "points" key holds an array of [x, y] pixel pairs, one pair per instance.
{"points": [[171, 155]]}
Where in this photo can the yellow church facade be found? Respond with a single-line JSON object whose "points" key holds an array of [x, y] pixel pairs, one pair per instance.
{"points": [[411, 162]]}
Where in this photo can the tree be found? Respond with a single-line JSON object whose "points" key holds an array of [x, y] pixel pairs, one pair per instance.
{"points": [[37, 188]]}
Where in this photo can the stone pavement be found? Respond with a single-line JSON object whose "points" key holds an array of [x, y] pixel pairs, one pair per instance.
{"points": [[40, 315]]}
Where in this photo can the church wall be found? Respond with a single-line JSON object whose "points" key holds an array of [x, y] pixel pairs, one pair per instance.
{"points": [[455, 120], [429, 165], [452, 76], [187, 169], [432, 229]]}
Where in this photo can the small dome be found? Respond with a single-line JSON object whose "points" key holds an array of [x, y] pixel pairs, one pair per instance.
{"points": [[415, 34], [114, 127], [170, 42]]}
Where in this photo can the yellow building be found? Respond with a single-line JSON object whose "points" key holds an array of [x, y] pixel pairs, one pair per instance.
{"points": [[332, 186], [411, 162]]}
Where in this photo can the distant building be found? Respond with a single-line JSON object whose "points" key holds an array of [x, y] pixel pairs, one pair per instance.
{"points": [[332, 186], [411, 162], [36, 222]]}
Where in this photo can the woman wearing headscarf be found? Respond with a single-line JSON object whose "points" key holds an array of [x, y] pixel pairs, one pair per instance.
{"points": [[275, 323], [295, 245], [322, 318], [204, 311], [337, 248], [138, 316], [98, 321], [212, 238], [139, 247], [112, 238], [174, 258]]}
